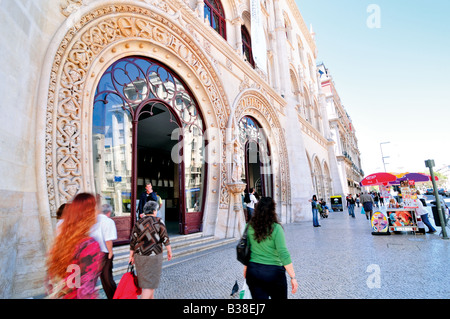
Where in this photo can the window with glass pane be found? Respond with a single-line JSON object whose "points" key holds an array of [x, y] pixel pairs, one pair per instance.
{"points": [[247, 46], [215, 15], [111, 146], [194, 169]]}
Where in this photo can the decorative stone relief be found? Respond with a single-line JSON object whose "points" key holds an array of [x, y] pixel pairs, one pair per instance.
{"points": [[82, 44], [70, 6], [229, 64]]}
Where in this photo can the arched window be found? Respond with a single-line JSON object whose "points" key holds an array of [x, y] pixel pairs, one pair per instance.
{"points": [[216, 16], [247, 46]]}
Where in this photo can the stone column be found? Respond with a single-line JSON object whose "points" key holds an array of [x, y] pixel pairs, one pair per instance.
{"points": [[237, 23], [236, 218]]}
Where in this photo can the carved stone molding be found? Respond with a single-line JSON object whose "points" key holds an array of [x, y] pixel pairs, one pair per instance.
{"points": [[66, 117], [69, 6]]}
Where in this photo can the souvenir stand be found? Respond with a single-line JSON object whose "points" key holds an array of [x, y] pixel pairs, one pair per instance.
{"points": [[404, 216], [379, 221], [398, 217]]}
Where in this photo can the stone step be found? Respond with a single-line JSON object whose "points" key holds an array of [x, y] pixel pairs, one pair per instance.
{"points": [[182, 247]]}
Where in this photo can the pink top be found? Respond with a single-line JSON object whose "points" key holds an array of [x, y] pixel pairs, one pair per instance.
{"points": [[82, 273]]}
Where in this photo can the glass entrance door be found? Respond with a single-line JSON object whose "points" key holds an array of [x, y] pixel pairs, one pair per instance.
{"points": [[147, 127]]}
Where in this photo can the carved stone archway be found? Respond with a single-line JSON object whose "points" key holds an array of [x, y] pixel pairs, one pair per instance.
{"points": [[93, 42], [254, 104]]}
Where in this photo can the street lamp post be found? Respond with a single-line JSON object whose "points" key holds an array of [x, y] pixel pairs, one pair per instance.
{"points": [[382, 156], [430, 164]]}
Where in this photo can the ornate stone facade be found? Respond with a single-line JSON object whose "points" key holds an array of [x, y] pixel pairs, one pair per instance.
{"points": [[344, 135], [71, 52]]}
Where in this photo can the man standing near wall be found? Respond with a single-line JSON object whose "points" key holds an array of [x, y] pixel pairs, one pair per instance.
{"points": [[148, 195], [104, 232]]}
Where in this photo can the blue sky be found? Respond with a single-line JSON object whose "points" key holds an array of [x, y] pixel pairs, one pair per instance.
{"points": [[394, 81]]}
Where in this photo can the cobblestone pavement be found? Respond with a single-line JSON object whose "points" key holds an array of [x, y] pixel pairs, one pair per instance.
{"points": [[341, 259]]}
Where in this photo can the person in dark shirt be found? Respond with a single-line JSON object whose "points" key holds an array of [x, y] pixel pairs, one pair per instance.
{"points": [[148, 195]]}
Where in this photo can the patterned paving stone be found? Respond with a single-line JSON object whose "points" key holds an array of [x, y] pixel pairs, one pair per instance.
{"points": [[341, 259]]}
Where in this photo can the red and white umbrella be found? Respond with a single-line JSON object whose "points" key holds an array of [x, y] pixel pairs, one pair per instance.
{"points": [[378, 179]]}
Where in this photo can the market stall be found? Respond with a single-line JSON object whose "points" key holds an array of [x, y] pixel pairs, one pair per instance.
{"points": [[403, 216], [409, 202], [379, 221]]}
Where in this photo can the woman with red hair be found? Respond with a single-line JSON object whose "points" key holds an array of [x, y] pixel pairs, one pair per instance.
{"points": [[74, 260]]}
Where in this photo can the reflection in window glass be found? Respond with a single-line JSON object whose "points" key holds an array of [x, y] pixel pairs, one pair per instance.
{"points": [[111, 145], [194, 169], [215, 15]]}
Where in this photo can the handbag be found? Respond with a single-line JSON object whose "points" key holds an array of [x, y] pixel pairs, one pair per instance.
{"points": [[243, 248], [128, 287]]}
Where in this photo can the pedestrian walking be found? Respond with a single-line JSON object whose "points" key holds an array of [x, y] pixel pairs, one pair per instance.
{"points": [[104, 232], [252, 203], [315, 211], [269, 258], [381, 200], [73, 265], [376, 199], [351, 206], [367, 202], [146, 249]]}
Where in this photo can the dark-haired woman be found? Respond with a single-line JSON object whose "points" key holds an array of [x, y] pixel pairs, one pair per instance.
{"points": [[315, 211], [269, 258]]}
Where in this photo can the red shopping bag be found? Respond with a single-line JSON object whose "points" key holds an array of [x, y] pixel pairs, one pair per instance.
{"points": [[128, 286]]}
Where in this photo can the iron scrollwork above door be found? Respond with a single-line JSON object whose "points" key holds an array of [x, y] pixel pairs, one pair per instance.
{"points": [[137, 81]]}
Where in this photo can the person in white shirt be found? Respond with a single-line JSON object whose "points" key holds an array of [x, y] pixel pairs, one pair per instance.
{"points": [[104, 232], [251, 205]]}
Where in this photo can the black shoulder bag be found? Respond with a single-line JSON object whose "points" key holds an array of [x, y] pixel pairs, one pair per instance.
{"points": [[243, 248]]}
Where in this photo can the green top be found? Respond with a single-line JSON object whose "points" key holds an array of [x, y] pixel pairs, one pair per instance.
{"points": [[270, 251]]}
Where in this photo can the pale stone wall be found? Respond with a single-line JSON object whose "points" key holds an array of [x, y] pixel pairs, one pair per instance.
{"points": [[22, 244]]}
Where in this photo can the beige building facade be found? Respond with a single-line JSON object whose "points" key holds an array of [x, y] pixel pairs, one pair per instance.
{"points": [[343, 133], [105, 96]]}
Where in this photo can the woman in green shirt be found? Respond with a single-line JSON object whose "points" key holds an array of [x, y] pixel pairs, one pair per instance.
{"points": [[269, 258]]}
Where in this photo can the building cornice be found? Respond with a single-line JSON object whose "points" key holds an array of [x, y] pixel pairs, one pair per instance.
{"points": [[312, 132], [301, 23]]}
